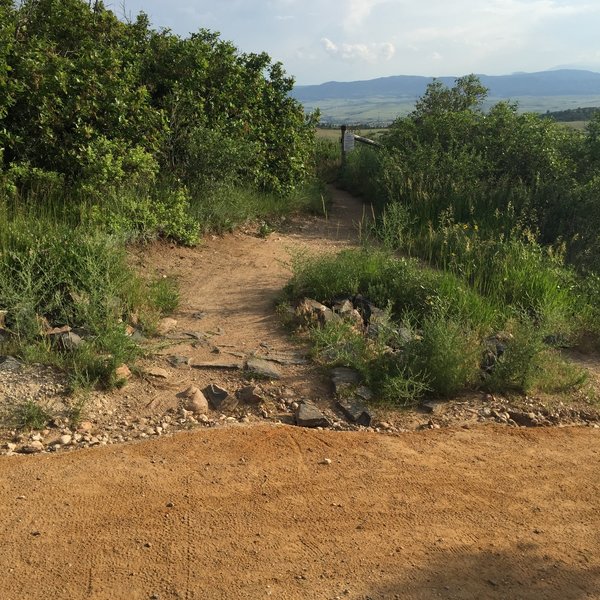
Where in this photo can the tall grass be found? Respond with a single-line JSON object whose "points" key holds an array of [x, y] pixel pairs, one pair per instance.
{"points": [[439, 334], [56, 270], [511, 270], [441, 210], [63, 260], [223, 208]]}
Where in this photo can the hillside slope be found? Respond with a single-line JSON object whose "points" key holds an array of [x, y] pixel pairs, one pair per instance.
{"points": [[563, 82]]}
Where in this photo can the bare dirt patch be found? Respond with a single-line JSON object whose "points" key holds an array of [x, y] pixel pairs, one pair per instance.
{"points": [[258, 512]]}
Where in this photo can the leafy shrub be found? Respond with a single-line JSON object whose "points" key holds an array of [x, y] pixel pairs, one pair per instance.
{"points": [[144, 214]]}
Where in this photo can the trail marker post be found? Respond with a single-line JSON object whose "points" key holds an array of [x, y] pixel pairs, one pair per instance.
{"points": [[349, 139]]}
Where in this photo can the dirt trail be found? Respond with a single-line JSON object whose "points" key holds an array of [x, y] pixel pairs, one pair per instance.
{"points": [[233, 284], [256, 511]]}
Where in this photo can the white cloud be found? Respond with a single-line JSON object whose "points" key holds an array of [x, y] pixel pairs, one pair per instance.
{"points": [[538, 9], [372, 52], [357, 11], [318, 40]]}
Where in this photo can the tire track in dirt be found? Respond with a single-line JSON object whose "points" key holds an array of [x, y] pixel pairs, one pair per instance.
{"points": [[411, 516]]}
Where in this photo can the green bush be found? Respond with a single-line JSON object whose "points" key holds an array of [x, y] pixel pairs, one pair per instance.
{"points": [[448, 352]]}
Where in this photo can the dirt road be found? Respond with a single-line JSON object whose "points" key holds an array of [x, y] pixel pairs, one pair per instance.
{"points": [[255, 510]]}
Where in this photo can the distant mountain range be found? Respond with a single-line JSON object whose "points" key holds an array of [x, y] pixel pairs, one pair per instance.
{"points": [[561, 82]]}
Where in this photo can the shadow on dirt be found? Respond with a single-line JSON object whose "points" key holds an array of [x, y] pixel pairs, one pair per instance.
{"points": [[520, 575]]}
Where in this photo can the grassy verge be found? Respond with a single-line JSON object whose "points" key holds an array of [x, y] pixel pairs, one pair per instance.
{"points": [[56, 276], [439, 336], [226, 208]]}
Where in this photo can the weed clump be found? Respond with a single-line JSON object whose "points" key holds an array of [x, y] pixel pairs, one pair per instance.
{"points": [[76, 278]]}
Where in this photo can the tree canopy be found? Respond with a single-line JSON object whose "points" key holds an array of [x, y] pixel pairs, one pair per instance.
{"points": [[100, 101]]}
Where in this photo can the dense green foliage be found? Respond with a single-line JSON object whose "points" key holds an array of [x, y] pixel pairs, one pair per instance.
{"points": [[439, 335], [103, 103], [504, 174], [505, 208], [54, 274], [113, 131], [585, 113]]}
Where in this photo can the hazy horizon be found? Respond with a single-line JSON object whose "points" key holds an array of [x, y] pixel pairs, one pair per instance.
{"points": [[349, 40]]}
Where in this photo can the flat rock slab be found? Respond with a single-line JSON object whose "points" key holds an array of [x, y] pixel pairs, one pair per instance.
{"points": [[263, 368], [344, 377], [197, 335], [177, 360], [355, 411], [217, 364], [364, 392], [286, 359], [433, 407], [308, 415], [157, 372], [220, 398], [10, 364]]}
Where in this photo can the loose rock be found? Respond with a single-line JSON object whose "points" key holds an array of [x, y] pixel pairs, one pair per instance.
{"points": [[157, 372], [10, 364], [122, 373], [343, 378], [178, 361], [355, 411], [220, 398], [251, 394], [310, 312], [308, 415], [33, 448], [263, 368], [166, 325], [432, 407], [196, 401], [69, 341]]}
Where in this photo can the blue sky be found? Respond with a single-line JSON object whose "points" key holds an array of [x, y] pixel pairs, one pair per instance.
{"points": [[346, 40]]}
